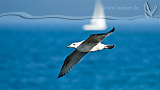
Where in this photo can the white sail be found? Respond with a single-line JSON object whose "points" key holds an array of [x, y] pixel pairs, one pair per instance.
{"points": [[98, 21]]}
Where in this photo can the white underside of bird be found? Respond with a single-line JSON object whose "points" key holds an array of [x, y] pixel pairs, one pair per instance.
{"points": [[98, 47]]}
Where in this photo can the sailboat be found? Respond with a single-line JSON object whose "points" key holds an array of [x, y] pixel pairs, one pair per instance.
{"points": [[98, 21]]}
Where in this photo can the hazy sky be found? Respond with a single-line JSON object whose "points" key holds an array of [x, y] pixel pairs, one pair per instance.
{"points": [[118, 8]]}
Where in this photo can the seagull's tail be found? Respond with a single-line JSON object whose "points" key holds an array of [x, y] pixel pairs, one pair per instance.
{"points": [[109, 46]]}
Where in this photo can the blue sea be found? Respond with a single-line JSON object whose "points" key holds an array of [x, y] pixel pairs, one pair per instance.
{"points": [[33, 51]]}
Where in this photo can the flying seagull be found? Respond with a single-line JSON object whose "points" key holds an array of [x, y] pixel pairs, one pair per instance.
{"points": [[93, 43], [148, 11]]}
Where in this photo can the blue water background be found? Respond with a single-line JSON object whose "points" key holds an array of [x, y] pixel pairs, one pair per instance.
{"points": [[32, 53]]}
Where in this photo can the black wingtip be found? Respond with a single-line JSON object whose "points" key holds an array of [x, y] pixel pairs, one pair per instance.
{"points": [[59, 76], [112, 29]]}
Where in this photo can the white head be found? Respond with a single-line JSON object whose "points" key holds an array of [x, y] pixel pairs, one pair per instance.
{"points": [[75, 45]]}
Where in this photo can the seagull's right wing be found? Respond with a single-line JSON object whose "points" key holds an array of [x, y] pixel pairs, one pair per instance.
{"points": [[71, 61], [154, 10]]}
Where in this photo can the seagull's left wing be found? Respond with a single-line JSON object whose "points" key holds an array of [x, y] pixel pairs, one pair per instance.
{"points": [[93, 40], [147, 8], [71, 61], [96, 38]]}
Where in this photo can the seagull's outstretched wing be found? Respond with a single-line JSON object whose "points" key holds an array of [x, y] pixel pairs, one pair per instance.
{"points": [[94, 39], [71, 61], [154, 9], [147, 8]]}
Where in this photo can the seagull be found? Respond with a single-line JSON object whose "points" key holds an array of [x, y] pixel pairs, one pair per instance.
{"points": [[93, 43], [148, 11]]}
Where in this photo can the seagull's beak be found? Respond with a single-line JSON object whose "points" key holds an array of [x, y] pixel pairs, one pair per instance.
{"points": [[68, 46]]}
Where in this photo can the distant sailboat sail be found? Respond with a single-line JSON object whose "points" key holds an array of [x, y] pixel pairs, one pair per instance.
{"points": [[98, 21]]}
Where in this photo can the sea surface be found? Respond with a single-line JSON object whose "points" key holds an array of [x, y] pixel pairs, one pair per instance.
{"points": [[31, 56]]}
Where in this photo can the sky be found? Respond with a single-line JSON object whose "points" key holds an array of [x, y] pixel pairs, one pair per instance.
{"points": [[116, 8]]}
